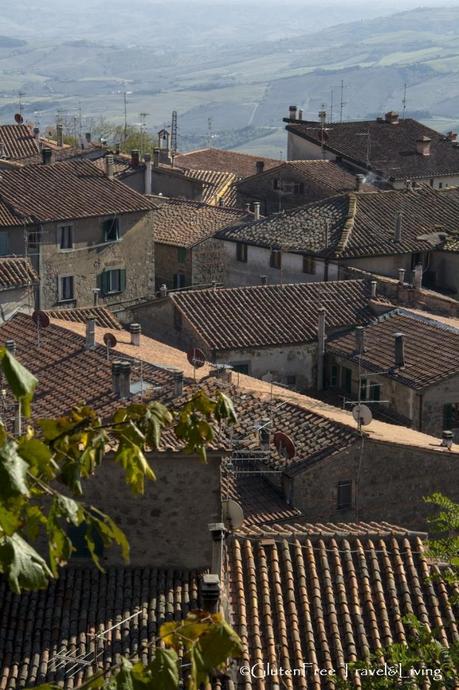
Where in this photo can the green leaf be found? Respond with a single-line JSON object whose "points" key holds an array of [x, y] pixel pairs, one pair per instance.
{"points": [[165, 670], [38, 456], [13, 472], [212, 651], [110, 532], [23, 566], [9, 522], [20, 379], [69, 509]]}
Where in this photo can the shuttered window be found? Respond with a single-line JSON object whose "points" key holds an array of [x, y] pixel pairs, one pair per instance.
{"points": [[344, 495], [112, 281], [111, 230]]}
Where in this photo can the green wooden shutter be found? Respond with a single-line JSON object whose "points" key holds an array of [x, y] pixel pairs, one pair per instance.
{"points": [[103, 282], [122, 279]]}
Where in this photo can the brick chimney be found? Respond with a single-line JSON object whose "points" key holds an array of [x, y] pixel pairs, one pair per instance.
{"points": [[90, 343], [260, 166], [399, 350], [109, 166], [46, 156], [392, 117], [423, 146], [135, 158], [60, 135]]}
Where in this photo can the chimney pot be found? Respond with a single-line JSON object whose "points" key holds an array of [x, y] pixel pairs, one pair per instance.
{"points": [[417, 276], [46, 156], [147, 181], [178, 382], [256, 210], [135, 330], [299, 114], [60, 135], [156, 157], [401, 276], [36, 132], [163, 290], [399, 350], [217, 531], [116, 370], [135, 158], [260, 165], [423, 146], [321, 337], [96, 293], [90, 334], [210, 592], [359, 180], [293, 112], [360, 340], [392, 117], [109, 166], [247, 208], [374, 288], [125, 380], [10, 346]]}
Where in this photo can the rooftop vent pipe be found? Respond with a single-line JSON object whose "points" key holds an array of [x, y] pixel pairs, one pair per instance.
{"points": [[401, 276], [178, 382], [417, 276], [156, 157], [125, 380], [292, 112], [116, 369], [423, 146], [135, 158], [135, 330], [359, 180], [399, 350], [360, 340], [109, 166], [256, 210], [147, 178], [90, 343], [374, 288], [60, 135]]}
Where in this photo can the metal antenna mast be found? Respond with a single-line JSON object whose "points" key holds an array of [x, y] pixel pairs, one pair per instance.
{"points": [[404, 102], [209, 132], [174, 133], [331, 106], [342, 102]]}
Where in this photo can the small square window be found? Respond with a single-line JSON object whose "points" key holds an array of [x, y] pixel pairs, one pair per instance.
{"points": [[65, 234], [111, 230], [309, 264], [241, 252], [344, 495], [275, 260], [66, 292]]}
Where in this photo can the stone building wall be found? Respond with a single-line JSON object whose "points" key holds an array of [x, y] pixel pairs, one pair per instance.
{"points": [[168, 262]]}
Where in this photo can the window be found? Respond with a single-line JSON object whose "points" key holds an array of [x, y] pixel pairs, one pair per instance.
{"points": [[240, 367], [181, 255], [275, 260], [344, 495], [347, 381], [179, 280], [276, 183], [111, 230], [298, 188], [65, 288], [375, 391], [4, 244], [112, 281], [451, 416], [65, 237], [440, 185], [334, 373], [363, 389], [309, 264], [241, 252]]}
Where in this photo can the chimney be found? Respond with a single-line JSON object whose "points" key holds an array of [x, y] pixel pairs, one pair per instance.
{"points": [[156, 157], [96, 292], [135, 158], [452, 136], [392, 117], [87, 136], [178, 382], [125, 380], [10, 346], [46, 156], [447, 439], [247, 208], [321, 347], [360, 340], [147, 159], [300, 114], [401, 276], [423, 146], [398, 227], [417, 277], [359, 180], [210, 592], [292, 112], [322, 117], [90, 334], [135, 330], [256, 210], [374, 288], [264, 280], [163, 290], [217, 531], [60, 135], [116, 370], [36, 132], [109, 166], [260, 165], [399, 350]]}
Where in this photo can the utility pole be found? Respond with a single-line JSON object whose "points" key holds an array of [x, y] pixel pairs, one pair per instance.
{"points": [[404, 102], [341, 103]]}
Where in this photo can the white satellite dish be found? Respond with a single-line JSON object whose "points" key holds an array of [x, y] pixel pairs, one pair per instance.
{"points": [[233, 515], [362, 415]]}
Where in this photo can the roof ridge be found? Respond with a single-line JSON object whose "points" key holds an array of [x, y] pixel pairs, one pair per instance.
{"points": [[348, 224]]}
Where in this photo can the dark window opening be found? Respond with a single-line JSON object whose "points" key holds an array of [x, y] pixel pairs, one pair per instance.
{"points": [[450, 416], [66, 237], [309, 264], [291, 380], [334, 372], [111, 230], [275, 260], [179, 281], [77, 535], [241, 252], [344, 495], [181, 255], [66, 288], [240, 367]]}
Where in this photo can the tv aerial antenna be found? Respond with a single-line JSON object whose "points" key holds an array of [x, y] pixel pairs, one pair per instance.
{"points": [[110, 342], [196, 358], [404, 102], [174, 133], [41, 320]]}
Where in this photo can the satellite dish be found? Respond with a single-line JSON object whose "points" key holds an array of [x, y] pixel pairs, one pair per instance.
{"points": [[40, 318], [110, 340], [18, 119], [233, 515], [362, 415], [284, 444], [196, 357]]}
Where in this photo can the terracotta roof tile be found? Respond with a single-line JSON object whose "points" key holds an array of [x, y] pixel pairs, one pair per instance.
{"points": [[240, 164], [185, 223], [430, 348], [18, 142], [219, 186], [325, 598], [65, 191], [359, 224], [16, 272], [259, 316], [392, 148], [103, 316]]}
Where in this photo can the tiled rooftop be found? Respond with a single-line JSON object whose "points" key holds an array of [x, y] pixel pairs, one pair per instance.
{"points": [[18, 143], [392, 147], [431, 348], [264, 315], [185, 223], [16, 272], [219, 186], [359, 224], [103, 316], [65, 191], [324, 599], [221, 160]]}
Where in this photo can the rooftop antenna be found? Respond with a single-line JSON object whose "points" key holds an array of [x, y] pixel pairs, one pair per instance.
{"points": [[20, 103], [174, 133], [209, 132], [331, 105], [110, 342], [41, 320], [404, 102], [341, 102], [143, 126], [196, 358]]}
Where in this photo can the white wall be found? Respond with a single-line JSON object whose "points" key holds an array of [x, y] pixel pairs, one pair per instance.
{"points": [[299, 149]]}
